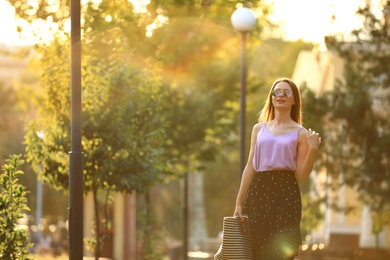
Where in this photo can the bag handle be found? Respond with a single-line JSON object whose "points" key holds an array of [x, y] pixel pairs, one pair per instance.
{"points": [[241, 224]]}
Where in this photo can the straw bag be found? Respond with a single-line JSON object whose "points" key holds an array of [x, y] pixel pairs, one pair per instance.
{"points": [[237, 240]]}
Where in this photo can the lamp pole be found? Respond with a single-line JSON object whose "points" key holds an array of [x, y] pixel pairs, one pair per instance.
{"points": [[76, 177], [186, 215], [243, 21]]}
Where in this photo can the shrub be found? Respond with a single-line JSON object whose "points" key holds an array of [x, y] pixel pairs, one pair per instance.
{"points": [[14, 241]]}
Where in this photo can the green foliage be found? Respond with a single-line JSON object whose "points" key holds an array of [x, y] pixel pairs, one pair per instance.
{"points": [[122, 133], [314, 116], [360, 109], [312, 215], [10, 122], [380, 220], [13, 240], [102, 15], [47, 136], [193, 57], [153, 238]]}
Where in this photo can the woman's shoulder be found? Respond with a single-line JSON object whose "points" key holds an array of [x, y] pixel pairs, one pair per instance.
{"points": [[258, 126], [302, 131], [294, 127]]}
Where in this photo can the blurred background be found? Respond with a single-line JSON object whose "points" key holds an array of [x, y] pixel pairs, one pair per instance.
{"points": [[161, 122]]}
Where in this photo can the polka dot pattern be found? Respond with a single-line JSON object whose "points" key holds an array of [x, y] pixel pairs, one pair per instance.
{"points": [[274, 209]]}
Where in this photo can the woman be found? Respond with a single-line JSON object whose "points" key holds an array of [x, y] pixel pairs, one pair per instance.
{"points": [[282, 153]]}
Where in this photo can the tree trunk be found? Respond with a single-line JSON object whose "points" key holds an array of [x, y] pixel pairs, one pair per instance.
{"points": [[97, 224], [148, 230], [377, 246]]}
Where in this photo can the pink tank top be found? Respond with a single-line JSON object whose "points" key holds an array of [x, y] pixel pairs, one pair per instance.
{"points": [[275, 152]]}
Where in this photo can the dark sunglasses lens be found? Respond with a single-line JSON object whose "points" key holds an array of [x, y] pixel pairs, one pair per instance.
{"points": [[276, 92], [287, 93]]}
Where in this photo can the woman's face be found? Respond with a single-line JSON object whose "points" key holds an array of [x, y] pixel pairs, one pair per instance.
{"points": [[282, 95]]}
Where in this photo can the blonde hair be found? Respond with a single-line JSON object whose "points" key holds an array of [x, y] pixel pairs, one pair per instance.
{"points": [[268, 112]]}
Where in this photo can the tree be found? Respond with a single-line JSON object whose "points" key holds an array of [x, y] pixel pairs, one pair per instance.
{"points": [[122, 136], [11, 126], [363, 114], [13, 239]]}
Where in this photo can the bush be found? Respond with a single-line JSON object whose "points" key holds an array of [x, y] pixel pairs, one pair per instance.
{"points": [[14, 242]]}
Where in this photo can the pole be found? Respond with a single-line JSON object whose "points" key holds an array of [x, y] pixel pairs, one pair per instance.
{"points": [[185, 218], [76, 180], [38, 213], [242, 103]]}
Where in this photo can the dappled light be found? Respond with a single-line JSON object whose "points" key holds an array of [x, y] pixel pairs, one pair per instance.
{"points": [[160, 84]]}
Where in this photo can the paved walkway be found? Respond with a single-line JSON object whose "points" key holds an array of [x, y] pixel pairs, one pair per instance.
{"points": [[62, 257], [51, 257]]}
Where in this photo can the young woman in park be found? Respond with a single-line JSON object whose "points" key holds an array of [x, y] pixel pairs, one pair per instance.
{"points": [[282, 153]]}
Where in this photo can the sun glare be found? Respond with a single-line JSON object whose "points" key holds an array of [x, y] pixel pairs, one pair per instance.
{"points": [[140, 5], [7, 30], [158, 22], [299, 19], [310, 20], [39, 29]]}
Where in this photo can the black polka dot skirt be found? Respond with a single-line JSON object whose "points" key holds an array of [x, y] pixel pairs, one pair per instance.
{"points": [[274, 209]]}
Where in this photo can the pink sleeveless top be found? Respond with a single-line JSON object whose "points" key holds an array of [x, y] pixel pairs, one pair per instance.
{"points": [[275, 152]]}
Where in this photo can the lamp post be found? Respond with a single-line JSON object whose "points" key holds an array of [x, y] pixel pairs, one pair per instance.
{"points": [[38, 213], [243, 21], [76, 177]]}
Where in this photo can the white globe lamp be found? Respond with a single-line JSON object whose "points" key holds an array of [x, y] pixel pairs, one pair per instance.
{"points": [[243, 19]]}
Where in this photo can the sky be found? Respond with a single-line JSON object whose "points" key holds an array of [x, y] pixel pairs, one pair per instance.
{"points": [[309, 20]]}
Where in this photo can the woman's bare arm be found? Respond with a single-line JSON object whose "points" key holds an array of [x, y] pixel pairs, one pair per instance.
{"points": [[248, 174], [308, 142]]}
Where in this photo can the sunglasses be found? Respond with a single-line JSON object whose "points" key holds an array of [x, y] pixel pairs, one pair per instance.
{"points": [[284, 92]]}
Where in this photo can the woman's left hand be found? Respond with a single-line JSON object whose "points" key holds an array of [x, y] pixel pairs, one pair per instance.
{"points": [[313, 139]]}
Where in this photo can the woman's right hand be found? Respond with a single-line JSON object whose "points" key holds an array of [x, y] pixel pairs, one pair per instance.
{"points": [[238, 212]]}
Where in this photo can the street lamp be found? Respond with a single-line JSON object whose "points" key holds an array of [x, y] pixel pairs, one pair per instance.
{"points": [[76, 177], [243, 21]]}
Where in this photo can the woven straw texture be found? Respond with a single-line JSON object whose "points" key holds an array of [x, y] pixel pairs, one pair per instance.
{"points": [[236, 244]]}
